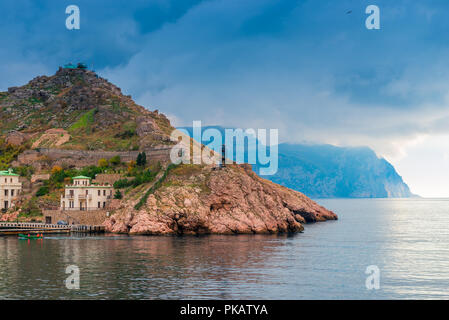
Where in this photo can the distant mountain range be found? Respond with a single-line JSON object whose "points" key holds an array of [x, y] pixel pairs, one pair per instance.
{"points": [[326, 171]]}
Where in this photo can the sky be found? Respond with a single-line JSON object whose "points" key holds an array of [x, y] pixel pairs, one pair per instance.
{"points": [[309, 68]]}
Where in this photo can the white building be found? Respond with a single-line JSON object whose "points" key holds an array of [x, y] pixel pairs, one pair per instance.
{"points": [[10, 188], [82, 195]]}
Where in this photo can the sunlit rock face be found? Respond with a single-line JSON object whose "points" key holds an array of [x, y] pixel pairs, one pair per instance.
{"points": [[207, 200]]}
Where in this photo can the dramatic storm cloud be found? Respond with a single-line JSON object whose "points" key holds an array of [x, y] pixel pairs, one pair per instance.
{"points": [[309, 68]]}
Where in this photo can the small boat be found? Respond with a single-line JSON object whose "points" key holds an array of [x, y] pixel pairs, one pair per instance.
{"points": [[30, 236]]}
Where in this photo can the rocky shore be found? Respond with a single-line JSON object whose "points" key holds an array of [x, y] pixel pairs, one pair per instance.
{"points": [[207, 200]]}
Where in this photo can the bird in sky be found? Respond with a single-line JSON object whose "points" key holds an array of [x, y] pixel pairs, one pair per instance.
{"points": [[350, 11]]}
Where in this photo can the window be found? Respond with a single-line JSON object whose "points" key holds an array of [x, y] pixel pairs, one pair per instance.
{"points": [[104, 193], [99, 193], [87, 192], [104, 204], [12, 193], [6, 193], [99, 204]]}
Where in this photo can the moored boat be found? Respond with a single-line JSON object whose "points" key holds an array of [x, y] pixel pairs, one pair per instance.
{"points": [[30, 236]]}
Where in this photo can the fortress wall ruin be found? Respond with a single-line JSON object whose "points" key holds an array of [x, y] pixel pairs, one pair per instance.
{"points": [[82, 158]]}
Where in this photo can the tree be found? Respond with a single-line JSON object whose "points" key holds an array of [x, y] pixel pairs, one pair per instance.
{"points": [[131, 166], [103, 163], [141, 159], [42, 191], [115, 160], [118, 195], [56, 169]]}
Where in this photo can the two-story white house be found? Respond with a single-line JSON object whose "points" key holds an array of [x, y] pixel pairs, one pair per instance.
{"points": [[82, 195], [10, 188]]}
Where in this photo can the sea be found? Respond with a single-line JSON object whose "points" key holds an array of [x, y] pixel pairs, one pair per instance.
{"points": [[378, 249]]}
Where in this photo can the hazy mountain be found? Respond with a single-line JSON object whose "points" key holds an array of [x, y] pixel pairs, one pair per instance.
{"points": [[326, 171]]}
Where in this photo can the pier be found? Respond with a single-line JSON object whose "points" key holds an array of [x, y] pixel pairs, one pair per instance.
{"points": [[12, 228]]}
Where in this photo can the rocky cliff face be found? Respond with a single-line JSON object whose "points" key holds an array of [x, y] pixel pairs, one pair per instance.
{"points": [[203, 200], [325, 171]]}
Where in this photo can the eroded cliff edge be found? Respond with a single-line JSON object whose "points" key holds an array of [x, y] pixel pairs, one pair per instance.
{"points": [[196, 199]]}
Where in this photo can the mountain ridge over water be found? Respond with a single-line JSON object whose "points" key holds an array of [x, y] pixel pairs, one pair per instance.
{"points": [[327, 171]]}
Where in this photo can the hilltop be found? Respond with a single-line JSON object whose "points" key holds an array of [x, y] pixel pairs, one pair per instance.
{"points": [[76, 109]]}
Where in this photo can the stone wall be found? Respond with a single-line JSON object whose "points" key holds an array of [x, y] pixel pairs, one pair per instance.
{"points": [[81, 158], [41, 177], [92, 218], [107, 178]]}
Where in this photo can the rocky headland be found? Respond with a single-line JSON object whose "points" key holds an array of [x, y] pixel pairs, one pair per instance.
{"points": [[206, 200], [74, 120]]}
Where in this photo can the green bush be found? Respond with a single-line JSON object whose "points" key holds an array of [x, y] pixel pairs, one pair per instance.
{"points": [[140, 178], [90, 171], [31, 208], [118, 195], [8, 153], [126, 134], [25, 171], [115, 160], [141, 160], [155, 186], [42, 191]]}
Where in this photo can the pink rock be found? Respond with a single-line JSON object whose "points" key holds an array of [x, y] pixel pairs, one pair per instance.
{"points": [[231, 200]]}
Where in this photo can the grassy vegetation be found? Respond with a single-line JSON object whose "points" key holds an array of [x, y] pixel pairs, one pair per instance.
{"points": [[187, 170], [155, 186], [8, 153], [33, 101], [139, 175], [31, 208], [181, 173], [117, 137], [24, 171], [84, 122], [141, 178]]}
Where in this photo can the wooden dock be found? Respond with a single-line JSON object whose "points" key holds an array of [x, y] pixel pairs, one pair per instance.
{"points": [[12, 228]]}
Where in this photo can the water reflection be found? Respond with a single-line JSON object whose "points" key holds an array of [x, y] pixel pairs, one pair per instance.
{"points": [[407, 239], [135, 267]]}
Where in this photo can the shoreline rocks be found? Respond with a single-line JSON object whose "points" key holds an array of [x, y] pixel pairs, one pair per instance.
{"points": [[205, 200]]}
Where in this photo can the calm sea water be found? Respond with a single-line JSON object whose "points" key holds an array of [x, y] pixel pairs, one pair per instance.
{"points": [[407, 239]]}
